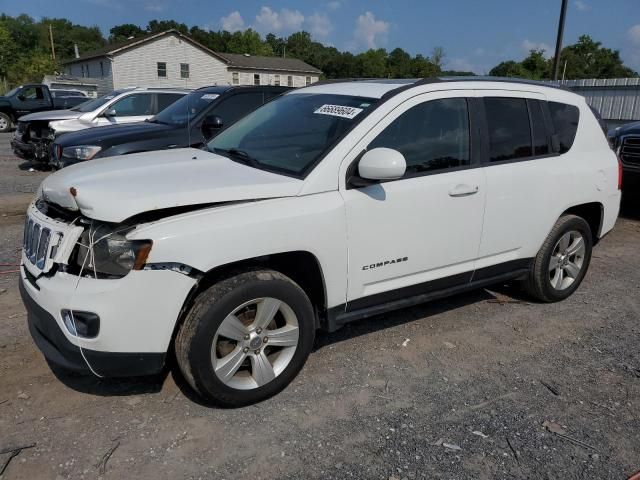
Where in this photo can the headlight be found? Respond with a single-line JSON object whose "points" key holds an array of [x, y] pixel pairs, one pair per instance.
{"points": [[83, 152], [104, 250]]}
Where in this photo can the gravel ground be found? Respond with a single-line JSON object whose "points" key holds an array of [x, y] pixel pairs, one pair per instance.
{"points": [[455, 389]]}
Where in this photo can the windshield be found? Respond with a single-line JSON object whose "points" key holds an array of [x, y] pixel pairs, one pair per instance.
{"points": [[11, 92], [185, 109], [97, 103], [292, 132]]}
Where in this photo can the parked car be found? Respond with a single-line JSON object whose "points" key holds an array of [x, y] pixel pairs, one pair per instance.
{"points": [[332, 203], [36, 131], [190, 121], [625, 140], [60, 93], [31, 98]]}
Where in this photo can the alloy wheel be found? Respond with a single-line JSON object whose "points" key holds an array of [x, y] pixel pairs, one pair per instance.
{"points": [[255, 343], [567, 260]]}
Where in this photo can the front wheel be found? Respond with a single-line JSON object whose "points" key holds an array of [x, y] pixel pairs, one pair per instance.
{"points": [[5, 123], [246, 338], [562, 261]]}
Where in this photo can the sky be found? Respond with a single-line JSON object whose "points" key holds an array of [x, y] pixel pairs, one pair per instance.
{"points": [[475, 34]]}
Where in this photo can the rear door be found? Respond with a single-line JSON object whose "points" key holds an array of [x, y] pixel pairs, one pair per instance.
{"points": [[524, 180]]}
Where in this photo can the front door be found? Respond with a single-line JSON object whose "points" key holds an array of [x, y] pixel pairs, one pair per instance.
{"points": [[422, 232], [136, 107]]}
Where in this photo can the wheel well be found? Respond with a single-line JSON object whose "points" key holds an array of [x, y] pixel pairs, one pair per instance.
{"points": [[592, 213], [300, 266]]}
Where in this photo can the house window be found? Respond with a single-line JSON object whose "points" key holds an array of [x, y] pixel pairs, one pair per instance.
{"points": [[256, 79], [184, 70], [307, 81], [276, 80], [290, 81], [235, 78], [162, 69]]}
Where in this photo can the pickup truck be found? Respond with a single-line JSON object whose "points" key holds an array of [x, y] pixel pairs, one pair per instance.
{"points": [[31, 98]]}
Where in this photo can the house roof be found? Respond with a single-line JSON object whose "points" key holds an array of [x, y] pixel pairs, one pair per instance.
{"points": [[114, 48], [233, 60], [255, 62]]}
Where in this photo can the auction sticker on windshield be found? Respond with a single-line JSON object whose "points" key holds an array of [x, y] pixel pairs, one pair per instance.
{"points": [[338, 111], [209, 96]]}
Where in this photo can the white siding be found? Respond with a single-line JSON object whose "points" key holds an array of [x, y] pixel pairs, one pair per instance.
{"points": [[245, 77], [138, 66]]}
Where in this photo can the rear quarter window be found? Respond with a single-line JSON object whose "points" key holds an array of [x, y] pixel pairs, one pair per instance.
{"points": [[565, 124]]}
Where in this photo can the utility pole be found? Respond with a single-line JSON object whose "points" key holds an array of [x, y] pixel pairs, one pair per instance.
{"points": [[53, 50], [556, 60]]}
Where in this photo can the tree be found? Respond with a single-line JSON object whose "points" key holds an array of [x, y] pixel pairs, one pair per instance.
{"points": [[584, 59], [8, 51], [399, 64], [249, 42], [120, 33], [437, 57], [31, 68], [157, 26], [509, 68]]}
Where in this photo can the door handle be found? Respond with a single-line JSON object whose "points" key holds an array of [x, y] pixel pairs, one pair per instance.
{"points": [[463, 190]]}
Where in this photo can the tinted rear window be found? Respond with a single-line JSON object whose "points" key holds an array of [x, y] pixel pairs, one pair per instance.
{"points": [[565, 123], [509, 130]]}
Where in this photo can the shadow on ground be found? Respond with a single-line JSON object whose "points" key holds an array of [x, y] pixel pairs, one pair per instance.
{"points": [[92, 385]]}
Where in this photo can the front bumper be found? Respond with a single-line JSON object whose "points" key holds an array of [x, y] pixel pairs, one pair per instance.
{"points": [[23, 150], [137, 313]]}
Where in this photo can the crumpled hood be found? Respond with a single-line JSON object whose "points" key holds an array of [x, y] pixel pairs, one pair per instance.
{"points": [[113, 189], [50, 115]]}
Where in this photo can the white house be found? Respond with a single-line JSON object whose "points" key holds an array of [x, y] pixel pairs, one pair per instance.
{"points": [[171, 59]]}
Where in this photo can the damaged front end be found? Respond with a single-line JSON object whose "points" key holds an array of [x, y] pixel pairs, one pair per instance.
{"points": [[32, 140]]}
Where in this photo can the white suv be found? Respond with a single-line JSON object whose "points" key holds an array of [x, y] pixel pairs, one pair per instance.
{"points": [[332, 203]]}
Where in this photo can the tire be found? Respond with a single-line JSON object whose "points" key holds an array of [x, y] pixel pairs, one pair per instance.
{"points": [[210, 339], [5, 123], [562, 261]]}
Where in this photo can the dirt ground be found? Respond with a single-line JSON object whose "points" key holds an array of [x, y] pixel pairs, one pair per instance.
{"points": [[455, 389]]}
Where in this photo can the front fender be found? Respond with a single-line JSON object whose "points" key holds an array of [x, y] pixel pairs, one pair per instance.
{"points": [[222, 235]]}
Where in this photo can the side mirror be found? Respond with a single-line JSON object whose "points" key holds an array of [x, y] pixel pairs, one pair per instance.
{"points": [[110, 112], [382, 164], [211, 123]]}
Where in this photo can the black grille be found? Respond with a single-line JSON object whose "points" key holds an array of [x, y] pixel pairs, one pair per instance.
{"points": [[630, 150], [36, 243]]}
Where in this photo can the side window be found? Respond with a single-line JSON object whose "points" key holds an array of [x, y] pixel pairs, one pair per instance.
{"points": [[432, 136], [137, 104], [166, 99], [565, 123], [509, 130], [237, 106], [33, 93], [538, 129]]}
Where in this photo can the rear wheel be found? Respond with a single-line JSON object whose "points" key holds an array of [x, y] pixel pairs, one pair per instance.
{"points": [[246, 338], [562, 262], [5, 122]]}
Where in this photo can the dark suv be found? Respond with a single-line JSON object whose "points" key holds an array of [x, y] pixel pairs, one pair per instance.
{"points": [[189, 122], [626, 142]]}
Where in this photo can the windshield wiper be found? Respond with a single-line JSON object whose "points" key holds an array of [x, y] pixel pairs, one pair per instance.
{"points": [[241, 156]]}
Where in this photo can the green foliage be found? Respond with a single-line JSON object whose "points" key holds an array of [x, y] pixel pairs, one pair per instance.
{"points": [[25, 52], [584, 59], [121, 33]]}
